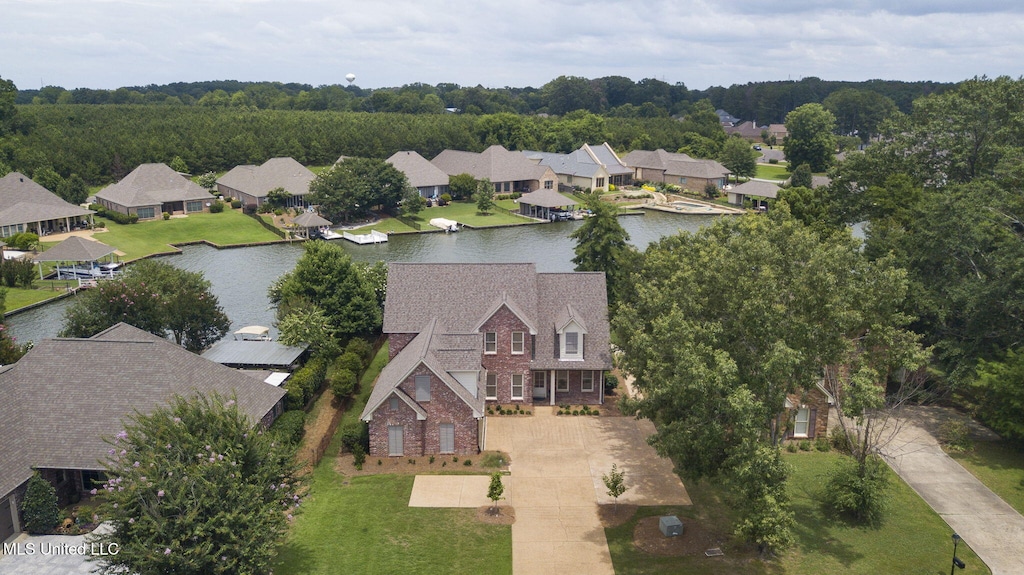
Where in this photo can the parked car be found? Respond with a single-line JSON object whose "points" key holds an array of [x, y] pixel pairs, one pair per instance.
{"points": [[758, 148]]}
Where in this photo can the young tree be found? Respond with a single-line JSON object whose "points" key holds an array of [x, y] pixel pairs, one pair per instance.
{"points": [[156, 297], [484, 196], [413, 203], [615, 482], [495, 491], [278, 197], [197, 487], [602, 246], [39, 508], [178, 165], [801, 177], [811, 139], [738, 158], [207, 181]]}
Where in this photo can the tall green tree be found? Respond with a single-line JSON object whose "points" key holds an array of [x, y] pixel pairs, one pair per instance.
{"points": [[802, 177], [602, 245], [8, 111], [739, 158], [73, 190], [484, 196], [352, 188], [224, 511], [859, 112], [811, 139], [723, 324], [156, 297], [461, 186]]}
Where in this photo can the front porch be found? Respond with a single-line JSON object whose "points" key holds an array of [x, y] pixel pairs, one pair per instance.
{"points": [[559, 387]]}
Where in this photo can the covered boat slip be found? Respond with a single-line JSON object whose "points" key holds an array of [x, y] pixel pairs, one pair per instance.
{"points": [[83, 259], [256, 354]]}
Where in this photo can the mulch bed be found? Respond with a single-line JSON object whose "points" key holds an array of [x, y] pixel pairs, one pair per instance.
{"points": [[695, 540], [418, 465], [612, 516], [505, 516]]}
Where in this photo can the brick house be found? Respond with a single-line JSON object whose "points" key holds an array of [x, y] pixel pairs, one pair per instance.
{"points": [[677, 169], [66, 394], [807, 413], [464, 337], [151, 190]]}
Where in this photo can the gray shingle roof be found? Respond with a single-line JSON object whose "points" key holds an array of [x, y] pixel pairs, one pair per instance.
{"points": [[546, 199], [418, 170], [23, 201], [152, 184], [275, 173], [76, 249], [675, 164], [756, 188], [60, 399], [584, 162], [310, 220], [495, 163]]}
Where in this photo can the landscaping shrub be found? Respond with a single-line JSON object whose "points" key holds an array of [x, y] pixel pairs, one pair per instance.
{"points": [[118, 217], [23, 241], [791, 447], [278, 212], [166, 216], [235, 204], [956, 435], [838, 440], [805, 445], [860, 496], [492, 460], [216, 207], [610, 383], [821, 444], [353, 434], [249, 209], [468, 462], [359, 456], [362, 348], [308, 380], [446, 199], [39, 508], [290, 426], [349, 361], [343, 383]]}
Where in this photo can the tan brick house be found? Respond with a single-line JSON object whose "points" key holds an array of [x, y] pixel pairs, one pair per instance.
{"points": [[464, 337]]}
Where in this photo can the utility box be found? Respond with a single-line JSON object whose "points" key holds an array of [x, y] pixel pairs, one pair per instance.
{"points": [[670, 526]]}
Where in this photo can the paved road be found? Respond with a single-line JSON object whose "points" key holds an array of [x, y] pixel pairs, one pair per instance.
{"points": [[993, 529]]}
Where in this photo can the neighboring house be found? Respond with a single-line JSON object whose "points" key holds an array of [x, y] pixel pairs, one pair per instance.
{"points": [[758, 192], [779, 131], [510, 336], [251, 184], [508, 171], [151, 190], [25, 206], [430, 180], [66, 395], [748, 130], [678, 169], [590, 167], [727, 119], [807, 413]]}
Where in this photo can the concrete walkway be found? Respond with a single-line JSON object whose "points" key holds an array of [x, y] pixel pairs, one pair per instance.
{"points": [[993, 529], [50, 555]]}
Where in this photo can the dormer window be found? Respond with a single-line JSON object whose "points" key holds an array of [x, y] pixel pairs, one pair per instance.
{"points": [[572, 343], [570, 338], [490, 342]]}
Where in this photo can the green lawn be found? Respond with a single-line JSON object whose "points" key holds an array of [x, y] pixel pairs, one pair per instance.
{"points": [[155, 236], [42, 290], [913, 539], [1000, 467], [462, 212], [365, 525], [773, 171]]}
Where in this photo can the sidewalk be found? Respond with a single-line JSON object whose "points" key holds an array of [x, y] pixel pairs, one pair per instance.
{"points": [[993, 529]]}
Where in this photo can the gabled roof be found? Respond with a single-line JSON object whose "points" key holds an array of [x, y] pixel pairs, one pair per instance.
{"points": [[546, 198], [275, 173], [746, 129], [418, 170], [756, 188], [504, 301], [76, 249], [495, 163], [65, 395], [152, 184], [310, 220], [611, 161], [567, 315], [676, 164], [23, 201], [423, 350]]}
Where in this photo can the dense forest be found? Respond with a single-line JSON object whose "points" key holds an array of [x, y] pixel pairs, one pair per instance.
{"points": [[762, 102]]}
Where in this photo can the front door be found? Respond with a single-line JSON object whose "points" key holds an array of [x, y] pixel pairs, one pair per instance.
{"points": [[540, 388]]}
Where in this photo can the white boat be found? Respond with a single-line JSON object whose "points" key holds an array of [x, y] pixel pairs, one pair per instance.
{"points": [[445, 224], [253, 333]]}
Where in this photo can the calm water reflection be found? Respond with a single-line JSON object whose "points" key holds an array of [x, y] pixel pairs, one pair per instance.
{"points": [[240, 277]]}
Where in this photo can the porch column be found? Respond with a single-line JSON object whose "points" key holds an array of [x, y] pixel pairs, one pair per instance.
{"points": [[600, 383], [551, 381]]}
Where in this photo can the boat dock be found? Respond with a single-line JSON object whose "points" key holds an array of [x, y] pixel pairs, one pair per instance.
{"points": [[374, 237]]}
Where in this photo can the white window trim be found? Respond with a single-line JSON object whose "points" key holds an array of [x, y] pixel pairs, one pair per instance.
{"points": [[806, 422], [583, 381], [522, 343], [558, 382], [486, 395], [578, 356], [495, 350], [512, 389]]}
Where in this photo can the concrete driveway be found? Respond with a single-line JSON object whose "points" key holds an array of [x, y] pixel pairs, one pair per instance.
{"points": [[556, 471], [50, 555], [993, 529]]}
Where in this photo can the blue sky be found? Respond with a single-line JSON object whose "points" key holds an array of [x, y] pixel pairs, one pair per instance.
{"points": [[114, 43]]}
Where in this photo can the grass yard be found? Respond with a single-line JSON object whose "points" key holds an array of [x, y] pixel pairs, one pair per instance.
{"points": [[1000, 467], [914, 539], [773, 172], [42, 290], [462, 212], [155, 236]]}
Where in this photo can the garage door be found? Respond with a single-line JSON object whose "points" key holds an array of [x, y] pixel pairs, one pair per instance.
{"points": [[6, 520]]}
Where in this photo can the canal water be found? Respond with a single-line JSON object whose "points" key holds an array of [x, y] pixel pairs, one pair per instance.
{"points": [[240, 277]]}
